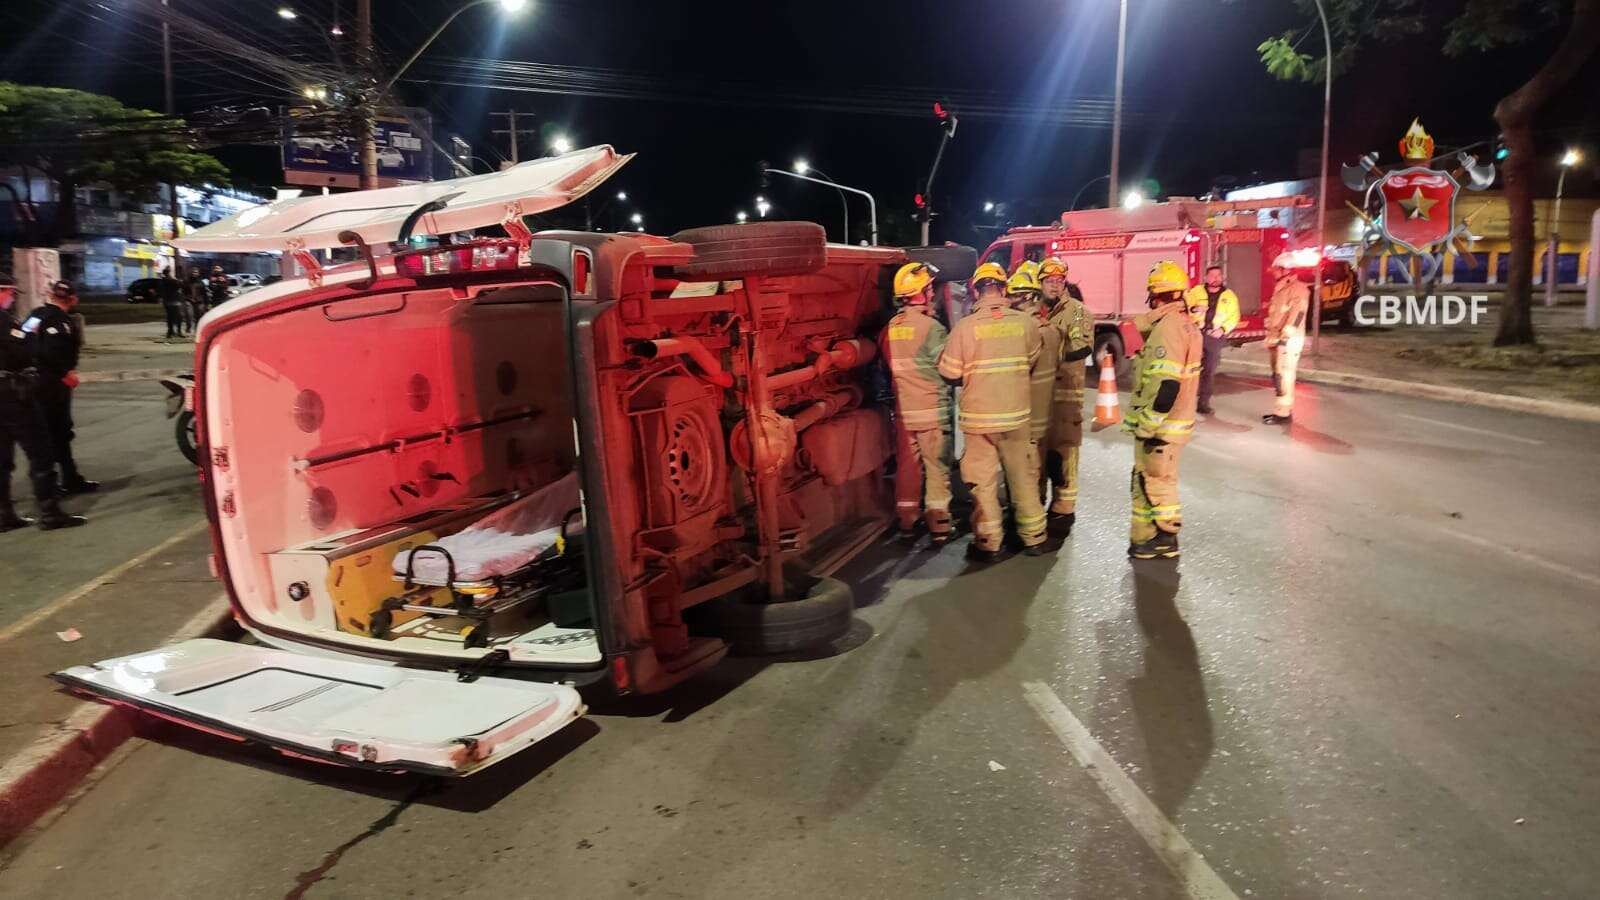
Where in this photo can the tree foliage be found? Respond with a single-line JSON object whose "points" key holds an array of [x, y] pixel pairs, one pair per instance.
{"points": [[1468, 26], [79, 138]]}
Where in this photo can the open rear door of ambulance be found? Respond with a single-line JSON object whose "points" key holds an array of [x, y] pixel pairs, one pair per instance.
{"points": [[343, 711], [382, 216]]}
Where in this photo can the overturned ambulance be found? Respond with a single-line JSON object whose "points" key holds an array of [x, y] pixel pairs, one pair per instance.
{"points": [[449, 486]]}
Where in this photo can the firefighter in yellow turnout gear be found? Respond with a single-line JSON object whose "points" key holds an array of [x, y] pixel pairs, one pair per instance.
{"points": [[1073, 326], [1286, 335], [1022, 291], [991, 354], [1161, 412], [911, 344]]}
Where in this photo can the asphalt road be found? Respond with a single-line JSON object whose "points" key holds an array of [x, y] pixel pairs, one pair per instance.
{"points": [[1371, 674]]}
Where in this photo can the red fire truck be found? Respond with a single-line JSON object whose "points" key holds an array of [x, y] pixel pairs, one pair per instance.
{"points": [[1108, 252]]}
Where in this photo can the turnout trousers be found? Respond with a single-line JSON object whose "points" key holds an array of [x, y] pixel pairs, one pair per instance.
{"points": [[1155, 490], [1012, 454]]}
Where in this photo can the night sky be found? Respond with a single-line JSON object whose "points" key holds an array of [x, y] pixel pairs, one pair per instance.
{"points": [[712, 88]]}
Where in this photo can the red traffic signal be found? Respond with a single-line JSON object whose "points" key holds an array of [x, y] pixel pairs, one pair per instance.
{"points": [[920, 201], [939, 110]]}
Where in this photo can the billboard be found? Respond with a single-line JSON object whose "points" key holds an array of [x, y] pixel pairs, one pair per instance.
{"points": [[319, 158]]}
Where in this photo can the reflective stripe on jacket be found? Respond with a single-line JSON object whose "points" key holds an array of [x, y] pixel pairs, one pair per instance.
{"points": [[1171, 352], [1199, 302], [992, 353], [911, 344]]}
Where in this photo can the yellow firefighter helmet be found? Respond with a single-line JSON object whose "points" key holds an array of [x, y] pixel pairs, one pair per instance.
{"points": [[988, 272], [1052, 267], [1025, 279], [912, 278], [1167, 276]]}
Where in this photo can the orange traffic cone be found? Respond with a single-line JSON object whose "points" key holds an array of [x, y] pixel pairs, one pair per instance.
{"points": [[1106, 410]]}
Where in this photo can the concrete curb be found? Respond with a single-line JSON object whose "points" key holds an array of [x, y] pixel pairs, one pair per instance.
{"points": [[1560, 409], [128, 375], [33, 781]]}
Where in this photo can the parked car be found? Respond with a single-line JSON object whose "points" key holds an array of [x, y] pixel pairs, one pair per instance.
{"points": [[144, 290], [451, 486]]}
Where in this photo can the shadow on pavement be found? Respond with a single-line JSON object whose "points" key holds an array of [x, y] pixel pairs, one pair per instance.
{"points": [[1169, 693]]}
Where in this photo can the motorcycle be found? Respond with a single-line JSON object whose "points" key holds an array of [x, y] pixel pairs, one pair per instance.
{"points": [[180, 407]]}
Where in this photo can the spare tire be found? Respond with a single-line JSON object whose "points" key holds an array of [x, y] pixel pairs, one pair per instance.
{"points": [[759, 628], [755, 248], [955, 262]]}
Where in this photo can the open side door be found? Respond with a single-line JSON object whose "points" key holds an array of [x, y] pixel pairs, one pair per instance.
{"points": [[339, 711], [391, 214]]}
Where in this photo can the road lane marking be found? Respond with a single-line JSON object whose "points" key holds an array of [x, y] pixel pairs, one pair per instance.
{"points": [[78, 593], [1198, 879], [1523, 555], [1483, 431]]}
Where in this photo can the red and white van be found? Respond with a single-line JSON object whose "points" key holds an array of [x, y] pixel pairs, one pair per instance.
{"points": [[1109, 252], [449, 486]]}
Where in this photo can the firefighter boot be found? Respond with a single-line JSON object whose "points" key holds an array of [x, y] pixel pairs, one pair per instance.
{"points": [[52, 516], [1164, 545], [1060, 524]]}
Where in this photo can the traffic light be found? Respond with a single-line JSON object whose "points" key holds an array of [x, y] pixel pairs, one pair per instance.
{"points": [[1501, 151], [920, 201]]}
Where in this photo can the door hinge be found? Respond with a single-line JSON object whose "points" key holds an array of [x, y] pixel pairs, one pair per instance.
{"points": [[494, 659]]}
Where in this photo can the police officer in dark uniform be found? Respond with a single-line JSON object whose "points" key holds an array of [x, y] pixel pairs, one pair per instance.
{"points": [[217, 287], [54, 339], [21, 424]]}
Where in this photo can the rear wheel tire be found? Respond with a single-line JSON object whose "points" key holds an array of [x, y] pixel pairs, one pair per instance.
{"points": [[758, 628], [183, 430], [755, 248]]}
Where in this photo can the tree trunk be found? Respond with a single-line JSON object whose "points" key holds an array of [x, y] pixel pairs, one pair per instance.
{"points": [[66, 224], [1515, 115]]}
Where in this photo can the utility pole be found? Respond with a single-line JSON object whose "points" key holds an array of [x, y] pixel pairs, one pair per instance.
{"points": [[1116, 111], [365, 65], [512, 130], [172, 110]]}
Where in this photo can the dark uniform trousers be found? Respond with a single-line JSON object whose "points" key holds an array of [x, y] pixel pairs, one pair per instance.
{"points": [[54, 400], [22, 426]]}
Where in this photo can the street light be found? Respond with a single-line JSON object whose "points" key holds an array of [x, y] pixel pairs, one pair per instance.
{"points": [[286, 13], [509, 7], [637, 218], [561, 144], [741, 216], [802, 167], [623, 196], [988, 206], [1116, 109], [872, 203], [369, 148], [1133, 200], [762, 207], [1569, 159]]}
